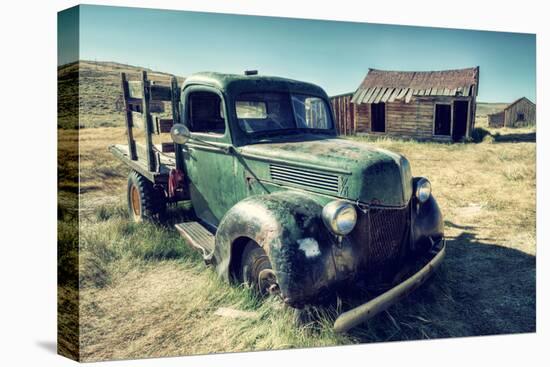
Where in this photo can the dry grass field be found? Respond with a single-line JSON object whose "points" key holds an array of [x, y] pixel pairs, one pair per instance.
{"points": [[143, 293]]}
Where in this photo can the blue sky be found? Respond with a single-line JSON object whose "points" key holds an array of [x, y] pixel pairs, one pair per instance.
{"points": [[335, 55]]}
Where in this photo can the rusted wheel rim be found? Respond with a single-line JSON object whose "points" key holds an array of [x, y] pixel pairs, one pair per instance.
{"points": [[134, 198]]}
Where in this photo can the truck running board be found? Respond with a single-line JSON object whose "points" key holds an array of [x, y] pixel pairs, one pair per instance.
{"points": [[196, 235]]}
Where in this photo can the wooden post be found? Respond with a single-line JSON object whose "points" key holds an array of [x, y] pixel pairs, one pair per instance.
{"points": [[128, 118], [176, 118], [151, 158], [354, 117]]}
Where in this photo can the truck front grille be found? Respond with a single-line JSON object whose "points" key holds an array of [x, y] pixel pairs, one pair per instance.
{"points": [[382, 231], [388, 227], [304, 178]]}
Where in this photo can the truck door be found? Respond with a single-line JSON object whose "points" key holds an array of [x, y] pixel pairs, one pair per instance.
{"points": [[208, 163]]}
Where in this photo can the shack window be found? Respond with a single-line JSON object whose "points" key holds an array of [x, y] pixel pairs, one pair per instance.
{"points": [[378, 117], [205, 113], [442, 119], [520, 116]]}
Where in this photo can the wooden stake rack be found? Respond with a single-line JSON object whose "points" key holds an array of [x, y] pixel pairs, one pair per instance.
{"points": [[142, 98]]}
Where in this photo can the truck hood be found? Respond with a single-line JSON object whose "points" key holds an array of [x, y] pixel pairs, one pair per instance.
{"points": [[336, 166]]}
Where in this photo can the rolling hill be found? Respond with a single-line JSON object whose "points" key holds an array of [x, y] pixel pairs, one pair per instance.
{"points": [[99, 90]]}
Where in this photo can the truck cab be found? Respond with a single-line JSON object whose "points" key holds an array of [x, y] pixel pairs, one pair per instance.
{"points": [[230, 115]]}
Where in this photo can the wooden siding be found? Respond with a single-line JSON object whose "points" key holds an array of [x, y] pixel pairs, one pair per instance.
{"points": [[362, 118], [496, 119], [410, 119], [344, 114], [522, 106], [414, 119]]}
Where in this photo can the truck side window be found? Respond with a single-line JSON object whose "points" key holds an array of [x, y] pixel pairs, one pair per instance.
{"points": [[205, 113]]}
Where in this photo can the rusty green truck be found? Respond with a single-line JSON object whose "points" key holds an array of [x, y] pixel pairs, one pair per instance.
{"points": [[281, 202]]}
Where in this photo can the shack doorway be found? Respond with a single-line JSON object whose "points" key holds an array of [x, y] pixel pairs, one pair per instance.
{"points": [[460, 119], [442, 119]]}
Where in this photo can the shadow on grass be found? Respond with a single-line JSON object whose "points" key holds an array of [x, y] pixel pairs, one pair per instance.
{"points": [[516, 138], [481, 289]]}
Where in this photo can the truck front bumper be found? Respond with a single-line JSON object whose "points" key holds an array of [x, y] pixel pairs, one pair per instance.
{"points": [[360, 314]]}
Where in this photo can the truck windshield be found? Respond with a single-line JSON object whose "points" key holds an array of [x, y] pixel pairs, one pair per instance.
{"points": [[264, 112]]}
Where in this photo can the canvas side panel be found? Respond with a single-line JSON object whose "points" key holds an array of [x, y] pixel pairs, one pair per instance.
{"points": [[68, 183]]}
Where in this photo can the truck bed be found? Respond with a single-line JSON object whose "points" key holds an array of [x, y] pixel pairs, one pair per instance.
{"points": [[167, 162]]}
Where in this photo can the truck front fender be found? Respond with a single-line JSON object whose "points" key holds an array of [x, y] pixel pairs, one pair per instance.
{"points": [[427, 225], [288, 226]]}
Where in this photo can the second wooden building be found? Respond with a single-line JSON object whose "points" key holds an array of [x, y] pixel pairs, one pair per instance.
{"points": [[437, 105]]}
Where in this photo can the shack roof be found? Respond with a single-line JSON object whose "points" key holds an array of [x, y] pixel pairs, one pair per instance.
{"points": [[518, 100], [387, 86]]}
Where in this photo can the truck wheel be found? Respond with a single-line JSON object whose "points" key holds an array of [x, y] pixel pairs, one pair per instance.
{"points": [[144, 201], [256, 270]]}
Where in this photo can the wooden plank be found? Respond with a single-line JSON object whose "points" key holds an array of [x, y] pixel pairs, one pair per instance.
{"points": [[160, 93], [354, 117], [363, 94], [154, 106], [141, 150], [137, 120], [387, 95], [134, 104], [163, 126], [410, 109], [135, 89], [139, 165], [397, 112], [128, 118], [367, 95], [394, 95], [357, 94], [403, 93], [409, 96], [375, 93], [175, 99], [157, 92], [379, 96], [151, 157]]}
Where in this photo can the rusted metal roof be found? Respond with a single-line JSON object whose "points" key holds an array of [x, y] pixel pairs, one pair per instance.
{"points": [[388, 86]]}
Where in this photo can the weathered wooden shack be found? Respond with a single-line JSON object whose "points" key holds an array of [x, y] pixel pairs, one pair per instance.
{"points": [[438, 105], [521, 112], [344, 113]]}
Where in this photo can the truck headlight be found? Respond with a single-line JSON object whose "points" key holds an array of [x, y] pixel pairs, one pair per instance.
{"points": [[423, 190], [340, 217]]}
